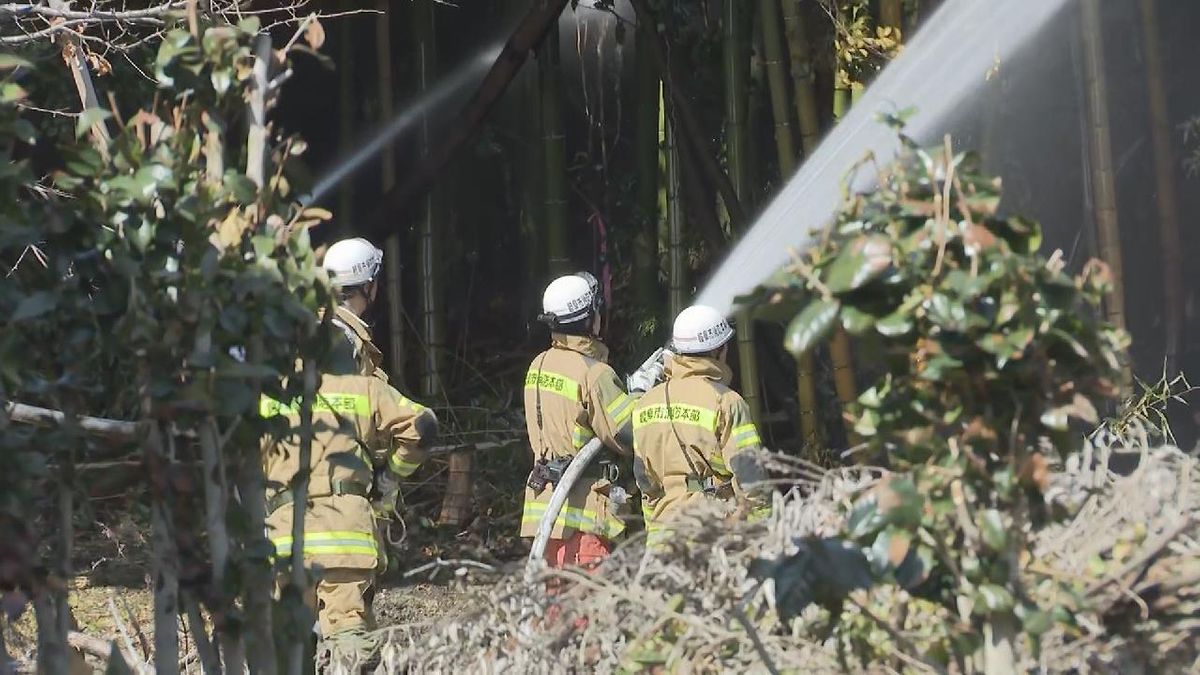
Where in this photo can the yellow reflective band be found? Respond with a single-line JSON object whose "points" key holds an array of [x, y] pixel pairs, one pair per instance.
{"points": [[584, 520], [580, 436], [717, 463], [621, 409], [745, 436], [342, 404], [679, 412], [552, 383], [406, 401], [402, 467], [329, 543]]}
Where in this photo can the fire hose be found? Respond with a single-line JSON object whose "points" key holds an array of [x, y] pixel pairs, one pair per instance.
{"points": [[557, 498]]}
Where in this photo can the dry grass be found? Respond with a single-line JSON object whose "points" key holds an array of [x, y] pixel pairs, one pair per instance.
{"points": [[1133, 548]]}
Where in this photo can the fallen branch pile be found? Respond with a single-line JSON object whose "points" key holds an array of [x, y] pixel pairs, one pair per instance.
{"points": [[1132, 551]]}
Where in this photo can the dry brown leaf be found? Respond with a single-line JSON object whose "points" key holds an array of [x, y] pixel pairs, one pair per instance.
{"points": [[314, 34]]}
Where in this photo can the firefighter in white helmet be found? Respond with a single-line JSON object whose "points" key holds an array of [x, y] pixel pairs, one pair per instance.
{"points": [[353, 265], [571, 396], [692, 433]]}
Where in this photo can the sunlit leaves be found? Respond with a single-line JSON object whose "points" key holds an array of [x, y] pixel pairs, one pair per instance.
{"points": [[811, 326], [994, 355]]}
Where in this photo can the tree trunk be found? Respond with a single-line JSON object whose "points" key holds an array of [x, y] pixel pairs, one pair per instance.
{"points": [[165, 554], [393, 279], [785, 146], [1104, 191], [215, 499], [554, 154], [646, 142], [1164, 173], [803, 76]]}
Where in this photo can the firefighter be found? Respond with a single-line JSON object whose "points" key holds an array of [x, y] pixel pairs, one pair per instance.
{"points": [[353, 265], [358, 422], [572, 396], [691, 433]]}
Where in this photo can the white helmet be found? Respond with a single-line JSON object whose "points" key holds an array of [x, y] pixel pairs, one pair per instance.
{"points": [[352, 262], [571, 298], [700, 329]]}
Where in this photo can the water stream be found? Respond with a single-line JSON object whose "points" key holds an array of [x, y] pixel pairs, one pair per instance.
{"points": [[412, 113], [945, 63]]}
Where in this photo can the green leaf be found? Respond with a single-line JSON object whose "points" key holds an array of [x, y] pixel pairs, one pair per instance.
{"points": [[242, 188], [222, 79], [992, 529], [11, 91], [865, 519], [1037, 622], [811, 326], [24, 131], [34, 305], [863, 260], [994, 598], [89, 118], [857, 321], [896, 324]]}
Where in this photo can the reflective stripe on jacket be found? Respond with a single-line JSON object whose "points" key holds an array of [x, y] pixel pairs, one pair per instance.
{"points": [[358, 422], [580, 398], [688, 432]]}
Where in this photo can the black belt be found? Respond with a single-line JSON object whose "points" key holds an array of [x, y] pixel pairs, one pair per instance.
{"points": [[339, 487]]}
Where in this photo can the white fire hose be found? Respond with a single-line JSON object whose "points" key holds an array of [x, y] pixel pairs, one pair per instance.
{"points": [[557, 498]]}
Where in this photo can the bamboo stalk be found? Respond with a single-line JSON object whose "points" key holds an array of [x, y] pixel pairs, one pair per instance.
{"points": [[891, 14], [646, 142], [554, 149], [431, 306], [803, 76], [1104, 206], [693, 141], [806, 389], [1168, 206], [677, 293], [387, 178], [840, 354], [299, 576], [347, 125], [736, 70]]}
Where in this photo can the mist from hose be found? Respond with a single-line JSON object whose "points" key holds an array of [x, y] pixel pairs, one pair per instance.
{"points": [[467, 74], [946, 62]]}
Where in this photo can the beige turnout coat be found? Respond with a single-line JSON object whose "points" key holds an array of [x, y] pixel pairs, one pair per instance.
{"points": [[687, 435], [571, 396], [358, 421]]}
